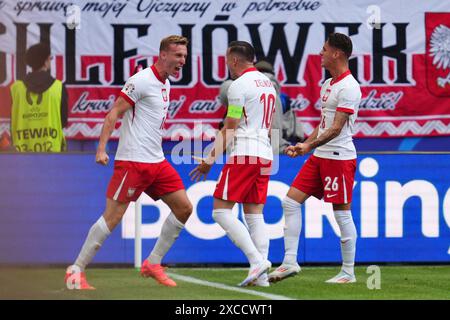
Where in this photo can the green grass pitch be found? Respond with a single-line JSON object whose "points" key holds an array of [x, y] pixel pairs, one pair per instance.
{"points": [[397, 282]]}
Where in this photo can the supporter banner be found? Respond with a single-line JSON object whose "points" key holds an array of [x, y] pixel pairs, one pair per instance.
{"points": [[401, 208], [401, 56]]}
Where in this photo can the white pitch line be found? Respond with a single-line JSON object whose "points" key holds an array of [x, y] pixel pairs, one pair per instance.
{"points": [[226, 287]]}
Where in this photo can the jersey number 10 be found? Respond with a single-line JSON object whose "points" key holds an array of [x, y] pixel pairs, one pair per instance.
{"points": [[268, 103]]}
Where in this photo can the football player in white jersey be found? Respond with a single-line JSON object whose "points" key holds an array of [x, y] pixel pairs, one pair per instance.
{"points": [[245, 176], [329, 172], [139, 164]]}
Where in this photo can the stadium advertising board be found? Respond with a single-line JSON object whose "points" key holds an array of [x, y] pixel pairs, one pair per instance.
{"points": [[401, 210]]}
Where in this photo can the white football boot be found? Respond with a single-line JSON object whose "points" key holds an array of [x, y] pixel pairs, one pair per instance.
{"points": [[262, 281], [284, 271], [342, 277], [256, 271]]}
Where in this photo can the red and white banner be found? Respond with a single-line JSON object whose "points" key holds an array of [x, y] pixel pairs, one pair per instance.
{"points": [[401, 57]]}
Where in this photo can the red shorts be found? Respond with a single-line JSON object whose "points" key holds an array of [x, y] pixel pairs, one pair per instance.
{"points": [[327, 178], [130, 179], [244, 179]]}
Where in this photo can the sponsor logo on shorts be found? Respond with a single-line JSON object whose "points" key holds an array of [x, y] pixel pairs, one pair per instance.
{"points": [[130, 192]]}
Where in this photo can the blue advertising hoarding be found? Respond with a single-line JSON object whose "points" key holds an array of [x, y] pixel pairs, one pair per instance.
{"points": [[401, 208]]}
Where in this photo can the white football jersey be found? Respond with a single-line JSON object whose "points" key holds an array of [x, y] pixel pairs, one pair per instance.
{"points": [[255, 93], [343, 95], [142, 126]]}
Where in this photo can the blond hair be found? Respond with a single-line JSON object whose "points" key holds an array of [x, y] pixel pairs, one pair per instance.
{"points": [[173, 39]]}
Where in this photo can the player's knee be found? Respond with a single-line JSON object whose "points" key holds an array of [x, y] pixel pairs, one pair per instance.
{"points": [[188, 209], [343, 218], [346, 225], [290, 206], [185, 211], [216, 215]]}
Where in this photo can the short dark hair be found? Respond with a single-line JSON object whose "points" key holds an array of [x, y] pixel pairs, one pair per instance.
{"points": [[36, 55], [173, 39], [342, 42], [244, 49]]}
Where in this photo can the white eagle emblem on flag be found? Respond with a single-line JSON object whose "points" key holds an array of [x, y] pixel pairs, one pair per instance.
{"points": [[440, 51], [437, 55]]}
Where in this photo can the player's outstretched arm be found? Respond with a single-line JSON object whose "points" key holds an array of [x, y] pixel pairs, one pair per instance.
{"points": [[294, 151], [223, 139], [339, 121], [118, 109], [313, 135]]}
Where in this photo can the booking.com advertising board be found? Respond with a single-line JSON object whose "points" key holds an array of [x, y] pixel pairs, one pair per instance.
{"points": [[401, 208]]}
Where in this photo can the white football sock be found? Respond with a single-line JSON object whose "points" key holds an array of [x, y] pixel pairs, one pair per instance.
{"points": [[348, 239], [292, 228], [169, 233], [238, 233], [94, 240], [258, 232]]}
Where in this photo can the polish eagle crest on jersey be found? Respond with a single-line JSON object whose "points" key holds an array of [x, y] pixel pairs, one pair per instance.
{"points": [[325, 95], [437, 55], [164, 94]]}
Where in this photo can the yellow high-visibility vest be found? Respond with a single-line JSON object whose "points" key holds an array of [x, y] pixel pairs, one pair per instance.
{"points": [[36, 126]]}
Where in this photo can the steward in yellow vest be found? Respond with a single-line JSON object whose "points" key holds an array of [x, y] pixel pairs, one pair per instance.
{"points": [[39, 106]]}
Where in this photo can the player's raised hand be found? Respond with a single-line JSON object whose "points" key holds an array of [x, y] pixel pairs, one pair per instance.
{"points": [[102, 158], [201, 171]]}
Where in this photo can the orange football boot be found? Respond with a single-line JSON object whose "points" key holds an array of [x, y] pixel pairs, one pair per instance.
{"points": [[156, 271]]}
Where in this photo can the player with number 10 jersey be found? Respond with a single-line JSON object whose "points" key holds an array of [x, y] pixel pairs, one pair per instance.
{"points": [[246, 175]]}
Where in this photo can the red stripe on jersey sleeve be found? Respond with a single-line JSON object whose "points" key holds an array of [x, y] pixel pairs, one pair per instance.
{"points": [[127, 98], [346, 110]]}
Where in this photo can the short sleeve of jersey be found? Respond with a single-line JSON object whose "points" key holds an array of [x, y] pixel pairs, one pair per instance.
{"points": [[348, 100], [236, 100], [131, 90], [235, 95]]}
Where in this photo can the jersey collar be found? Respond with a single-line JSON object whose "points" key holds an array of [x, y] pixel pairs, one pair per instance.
{"points": [[249, 70], [342, 76], [155, 72]]}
